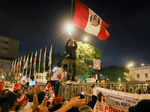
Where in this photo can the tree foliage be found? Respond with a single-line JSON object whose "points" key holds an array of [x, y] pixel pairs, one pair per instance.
{"points": [[114, 72], [85, 54], [87, 51]]}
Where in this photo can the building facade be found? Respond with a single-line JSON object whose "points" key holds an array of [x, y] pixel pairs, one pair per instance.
{"points": [[5, 65], [8, 51], [140, 73], [8, 47]]}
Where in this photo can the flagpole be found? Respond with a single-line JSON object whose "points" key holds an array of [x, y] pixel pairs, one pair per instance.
{"points": [[23, 64], [50, 59], [30, 65], [26, 65], [39, 61], [45, 51], [12, 65], [20, 69], [17, 68], [35, 58]]}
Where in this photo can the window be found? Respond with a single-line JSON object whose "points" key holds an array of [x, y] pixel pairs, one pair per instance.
{"points": [[146, 75], [138, 75]]}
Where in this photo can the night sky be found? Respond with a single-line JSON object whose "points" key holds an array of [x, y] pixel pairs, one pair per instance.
{"points": [[39, 23]]}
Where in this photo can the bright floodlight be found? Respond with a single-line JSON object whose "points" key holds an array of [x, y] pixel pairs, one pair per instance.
{"points": [[131, 64], [69, 28], [85, 39], [142, 64]]}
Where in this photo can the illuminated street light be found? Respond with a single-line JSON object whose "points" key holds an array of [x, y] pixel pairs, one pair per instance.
{"points": [[142, 64], [85, 39], [69, 28], [131, 64], [3, 77], [119, 79]]}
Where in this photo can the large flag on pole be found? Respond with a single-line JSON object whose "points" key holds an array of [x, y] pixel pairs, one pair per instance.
{"points": [[40, 61], [12, 65], [89, 21], [31, 57], [34, 61], [44, 63], [26, 63], [23, 63], [20, 65], [50, 58], [17, 65]]}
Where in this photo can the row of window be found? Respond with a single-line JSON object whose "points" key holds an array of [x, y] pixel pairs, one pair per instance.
{"points": [[146, 75]]}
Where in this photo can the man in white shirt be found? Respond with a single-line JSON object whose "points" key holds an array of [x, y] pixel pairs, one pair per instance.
{"points": [[57, 76]]}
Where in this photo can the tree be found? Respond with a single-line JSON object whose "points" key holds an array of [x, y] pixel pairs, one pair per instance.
{"points": [[128, 76], [114, 72]]}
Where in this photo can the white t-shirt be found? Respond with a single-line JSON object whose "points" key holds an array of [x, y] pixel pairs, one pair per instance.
{"points": [[58, 73]]}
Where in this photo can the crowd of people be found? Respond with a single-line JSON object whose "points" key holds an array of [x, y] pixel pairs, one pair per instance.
{"points": [[44, 98], [39, 98]]}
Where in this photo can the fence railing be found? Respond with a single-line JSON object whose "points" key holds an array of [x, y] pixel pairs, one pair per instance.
{"points": [[68, 91]]}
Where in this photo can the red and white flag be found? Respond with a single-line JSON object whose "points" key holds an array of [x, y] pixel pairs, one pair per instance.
{"points": [[34, 60], [50, 58], [26, 63], [89, 21]]}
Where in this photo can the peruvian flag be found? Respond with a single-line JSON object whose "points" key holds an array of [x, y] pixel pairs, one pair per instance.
{"points": [[89, 21]]}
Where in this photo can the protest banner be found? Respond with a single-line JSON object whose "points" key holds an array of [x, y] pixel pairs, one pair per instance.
{"points": [[116, 101]]}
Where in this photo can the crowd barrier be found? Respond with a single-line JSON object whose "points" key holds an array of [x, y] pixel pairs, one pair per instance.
{"points": [[116, 101]]}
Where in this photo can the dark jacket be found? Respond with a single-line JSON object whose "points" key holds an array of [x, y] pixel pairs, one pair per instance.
{"points": [[71, 49]]}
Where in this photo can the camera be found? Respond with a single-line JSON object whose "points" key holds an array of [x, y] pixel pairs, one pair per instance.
{"points": [[82, 95], [32, 83]]}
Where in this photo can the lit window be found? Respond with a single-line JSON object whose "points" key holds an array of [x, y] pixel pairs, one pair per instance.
{"points": [[138, 75]]}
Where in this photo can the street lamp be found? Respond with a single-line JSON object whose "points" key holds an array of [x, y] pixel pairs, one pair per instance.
{"points": [[129, 65], [119, 79], [69, 28], [142, 64], [85, 39]]}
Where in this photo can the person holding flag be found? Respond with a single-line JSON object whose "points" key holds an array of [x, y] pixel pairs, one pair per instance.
{"points": [[71, 47]]}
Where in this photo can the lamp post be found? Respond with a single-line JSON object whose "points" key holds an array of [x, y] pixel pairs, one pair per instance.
{"points": [[85, 39], [142, 64], [130, 65], [69, 28]]}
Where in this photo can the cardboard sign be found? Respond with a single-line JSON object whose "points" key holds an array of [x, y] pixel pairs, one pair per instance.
{"points": [[96, 64]]}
